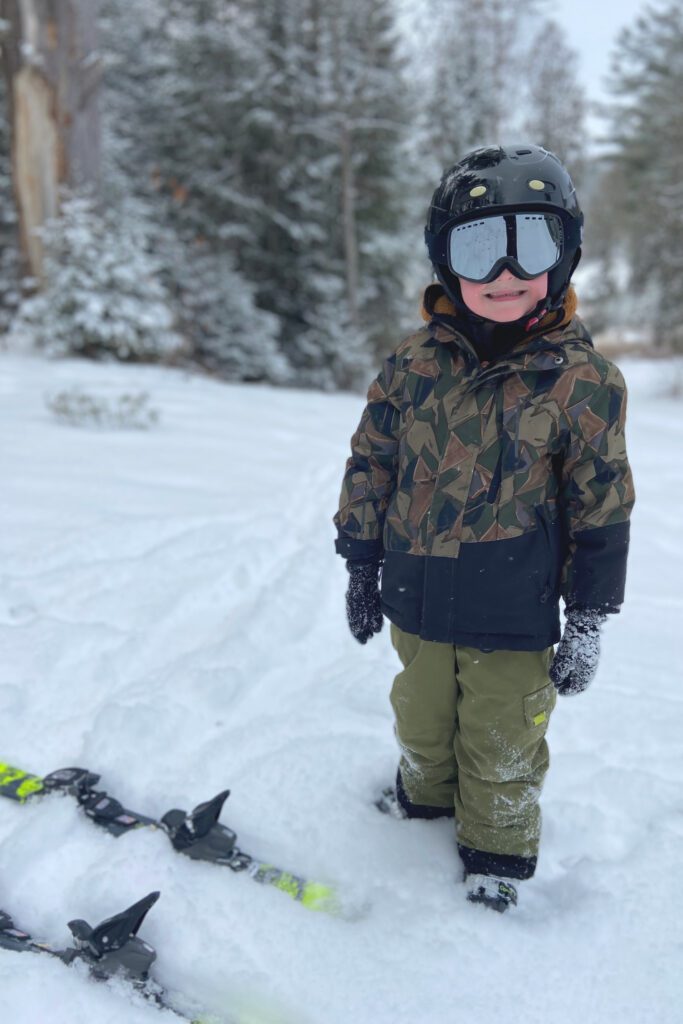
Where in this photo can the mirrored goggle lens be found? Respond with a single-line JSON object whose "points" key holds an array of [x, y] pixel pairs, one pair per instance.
{"points": [[533, 240]]}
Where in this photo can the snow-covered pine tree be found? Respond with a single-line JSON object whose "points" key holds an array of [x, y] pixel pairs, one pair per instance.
{"points": [[228, 334], [286, 163], [180, 80], [645, 195], [328, 176], [477, 87], [102, 294], [461, 109], [488, 84], [646, 154], [272, 132], [378, 171], [555, 99]]}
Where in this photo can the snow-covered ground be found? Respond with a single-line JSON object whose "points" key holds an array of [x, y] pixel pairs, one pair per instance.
{"points": [[172, 616]]}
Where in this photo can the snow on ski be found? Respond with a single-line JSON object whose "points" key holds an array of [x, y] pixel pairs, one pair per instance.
{"points": [[110, 949], [198, 835]]}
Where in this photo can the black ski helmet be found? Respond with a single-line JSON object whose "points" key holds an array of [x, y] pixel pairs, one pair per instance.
{"points": [[499, 180]]}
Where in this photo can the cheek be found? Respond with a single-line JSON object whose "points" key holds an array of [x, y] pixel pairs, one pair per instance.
{"points": [[538, 288], [472, 294]]}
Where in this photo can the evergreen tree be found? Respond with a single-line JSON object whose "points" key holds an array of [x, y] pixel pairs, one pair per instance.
{"points": [[478, 85], [556, 100], [270, 134], [180, 84], [328, 167], [384, 111], [646, 159], [286, 167], [102, 294], [263, 147], [227, 333]]}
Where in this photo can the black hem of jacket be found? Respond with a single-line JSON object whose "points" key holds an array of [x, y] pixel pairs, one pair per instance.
{"points": [[502, 865], [496, 595], [486, 642], [426, 811], [502, 594]]}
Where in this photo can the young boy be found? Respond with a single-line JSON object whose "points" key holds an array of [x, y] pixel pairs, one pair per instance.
{"points": [[488, 478]]}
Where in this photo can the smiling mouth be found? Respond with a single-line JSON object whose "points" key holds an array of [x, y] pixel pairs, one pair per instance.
{"points": [[505, 296]]}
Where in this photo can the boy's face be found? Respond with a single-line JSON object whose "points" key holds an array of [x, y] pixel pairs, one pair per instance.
{"points": [[504, 299]]}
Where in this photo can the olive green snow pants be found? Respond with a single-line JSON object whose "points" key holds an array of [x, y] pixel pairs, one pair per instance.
{"points": [[471, 728]]}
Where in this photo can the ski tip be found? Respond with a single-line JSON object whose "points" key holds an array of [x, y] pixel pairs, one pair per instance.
{"points": [[322, 898]]}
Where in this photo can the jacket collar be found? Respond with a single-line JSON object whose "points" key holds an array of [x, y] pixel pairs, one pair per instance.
{"points": [[546, 347]]}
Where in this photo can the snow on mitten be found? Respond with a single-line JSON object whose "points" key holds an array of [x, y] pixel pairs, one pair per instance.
{"points": [[578, 652], [362, 600]]}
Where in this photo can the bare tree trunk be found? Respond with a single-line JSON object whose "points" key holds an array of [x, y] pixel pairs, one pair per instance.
{"points": [[349, 222], [348, 189], [53, 72]]}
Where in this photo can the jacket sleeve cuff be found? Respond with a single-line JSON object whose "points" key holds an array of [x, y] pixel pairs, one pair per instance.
{"points": [[350, 547], [598, 571]]}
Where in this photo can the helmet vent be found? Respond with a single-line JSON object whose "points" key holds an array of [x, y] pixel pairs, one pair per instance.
{"points": [[523, 152]]}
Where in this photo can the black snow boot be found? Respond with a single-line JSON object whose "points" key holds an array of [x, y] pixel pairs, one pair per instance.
{"points": [[395, 801], [389, 803]]}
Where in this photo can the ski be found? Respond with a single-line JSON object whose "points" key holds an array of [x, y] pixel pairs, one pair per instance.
{"points": [[197, 834], [110, 949]]}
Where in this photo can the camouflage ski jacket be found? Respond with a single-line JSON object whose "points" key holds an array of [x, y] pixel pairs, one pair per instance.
{"points": [[490, 490]]}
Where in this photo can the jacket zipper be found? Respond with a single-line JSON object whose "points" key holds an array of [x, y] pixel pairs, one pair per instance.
{"points": [[494, 486]]}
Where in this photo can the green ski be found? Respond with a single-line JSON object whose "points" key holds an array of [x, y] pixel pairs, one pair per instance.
{"points": [[197, 834]]}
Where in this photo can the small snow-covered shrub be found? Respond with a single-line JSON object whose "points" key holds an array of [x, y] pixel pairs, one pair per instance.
{"points": [[102, 293], [125, 412]]}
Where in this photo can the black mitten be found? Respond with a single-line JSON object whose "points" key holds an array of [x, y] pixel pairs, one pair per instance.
{"points": [[362, 600], [578, 652]]}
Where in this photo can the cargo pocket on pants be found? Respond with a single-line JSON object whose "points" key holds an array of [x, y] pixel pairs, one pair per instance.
{"points": [[539, 705]]}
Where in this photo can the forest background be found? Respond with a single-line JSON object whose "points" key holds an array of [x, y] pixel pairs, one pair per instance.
{"points": [[241, 187]]}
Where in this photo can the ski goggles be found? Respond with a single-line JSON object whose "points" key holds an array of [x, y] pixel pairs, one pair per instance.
{"points": [[529, 244]]}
